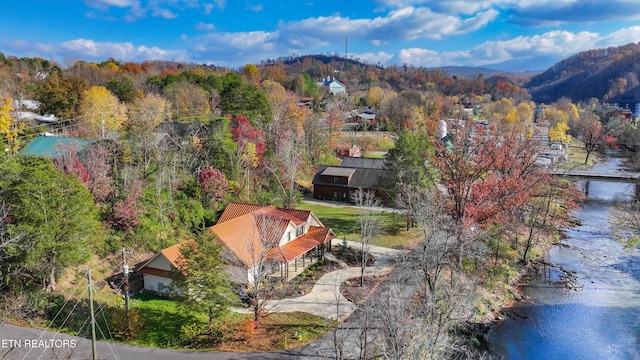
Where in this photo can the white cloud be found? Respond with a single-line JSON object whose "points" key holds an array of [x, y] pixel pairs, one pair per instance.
{"points": [[418, 57], [256, 8], [157, 8], [621, 37], [163, 13], [407, 23], [205, 27], [100, 4], [91, 50], [374, 58], [560, 44]]}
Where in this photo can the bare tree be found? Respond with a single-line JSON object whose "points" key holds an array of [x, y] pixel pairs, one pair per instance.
{"points": [[396, 322], [625, 223], [287, 161], [339, 335], [434, 254], [595, 130], [369, 221]]}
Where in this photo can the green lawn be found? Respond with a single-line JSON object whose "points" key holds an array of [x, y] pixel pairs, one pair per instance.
{"points": [[383, 143], [344, 222], [163, 321]]}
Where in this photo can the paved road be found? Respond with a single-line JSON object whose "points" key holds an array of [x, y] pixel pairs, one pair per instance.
{"points": [[27, 343]]}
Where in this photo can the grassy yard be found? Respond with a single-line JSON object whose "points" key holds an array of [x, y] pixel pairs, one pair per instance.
{"points": [[576, 154], [344, 222], [165, 323]]}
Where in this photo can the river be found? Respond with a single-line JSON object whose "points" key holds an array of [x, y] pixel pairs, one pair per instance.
{"points": [[598, 320]]}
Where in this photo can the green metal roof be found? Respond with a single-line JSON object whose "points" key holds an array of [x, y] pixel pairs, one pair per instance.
{"points": [[53, 147]]}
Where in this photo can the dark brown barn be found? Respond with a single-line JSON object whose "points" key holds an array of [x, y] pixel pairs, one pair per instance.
{"points": [[338, 183]]}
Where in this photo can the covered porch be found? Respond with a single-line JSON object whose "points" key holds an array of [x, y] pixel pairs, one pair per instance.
{"points": [[289, 270]]}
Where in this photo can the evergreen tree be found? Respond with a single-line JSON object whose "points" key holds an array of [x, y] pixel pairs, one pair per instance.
{"points": [[201, 280], [55, 216]]}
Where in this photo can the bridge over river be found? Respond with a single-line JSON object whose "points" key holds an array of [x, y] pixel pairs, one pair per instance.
{"points": [[610, 176]]}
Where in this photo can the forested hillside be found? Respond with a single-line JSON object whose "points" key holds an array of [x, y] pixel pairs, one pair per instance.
{"points": [[169, 145], [599, 73]]}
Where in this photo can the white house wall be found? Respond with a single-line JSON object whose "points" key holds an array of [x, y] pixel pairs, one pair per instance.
{"points": [[151, 282], [160, 262]]}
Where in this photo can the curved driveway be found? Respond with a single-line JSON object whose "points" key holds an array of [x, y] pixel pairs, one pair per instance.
{"points": [[27, 343]]}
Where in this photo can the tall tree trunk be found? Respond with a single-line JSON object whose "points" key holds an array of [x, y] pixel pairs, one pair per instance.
{"points": [[52, 276]]}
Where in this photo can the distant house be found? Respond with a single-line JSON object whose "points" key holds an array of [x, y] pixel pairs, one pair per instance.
{"points": [[156, 272], [629, 100], [333, 86], [55, 147], [338, 183]]}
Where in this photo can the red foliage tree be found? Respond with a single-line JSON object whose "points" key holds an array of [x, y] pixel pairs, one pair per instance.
{"points": [[487, 173], [70, 164], [244, 132], [214, 185]]}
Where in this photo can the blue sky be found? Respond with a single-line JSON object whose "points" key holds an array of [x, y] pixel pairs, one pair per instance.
{"points": [[230, 33]]}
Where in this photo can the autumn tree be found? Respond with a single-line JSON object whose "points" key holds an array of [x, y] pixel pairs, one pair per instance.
{"points": [[486, 172], [273, 73], [625, 223], [251, 73], [101, 110], [251, 146], [287, 115], [9, 129], [187, 99], [143, 117], [559, 133], [214, 187], [594, 131], [60, 96]]}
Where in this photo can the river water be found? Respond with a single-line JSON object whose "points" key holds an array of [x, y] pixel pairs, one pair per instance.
{"points": [[599, 320]]}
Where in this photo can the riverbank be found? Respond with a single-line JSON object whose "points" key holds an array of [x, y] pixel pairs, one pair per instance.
{"points": [[586, 289], [513, 296]]}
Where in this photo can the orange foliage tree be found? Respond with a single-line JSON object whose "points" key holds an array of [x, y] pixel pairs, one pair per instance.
{"points": [[489, 173]]}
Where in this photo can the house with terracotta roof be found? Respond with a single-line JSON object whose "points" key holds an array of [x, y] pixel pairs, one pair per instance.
{"points": [[260, 240], [264, 240], [156, 272]]}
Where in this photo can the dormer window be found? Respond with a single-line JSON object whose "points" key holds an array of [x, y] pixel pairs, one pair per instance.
{"points": [[299, 230]]}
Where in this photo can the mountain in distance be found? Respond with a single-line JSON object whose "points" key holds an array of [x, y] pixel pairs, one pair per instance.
{"points": [[531, 65], [600, 73]]}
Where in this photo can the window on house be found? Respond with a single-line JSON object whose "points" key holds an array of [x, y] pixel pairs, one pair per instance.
{"points": [[344, 195], [298, 231], [160, 286], [335, 179]]}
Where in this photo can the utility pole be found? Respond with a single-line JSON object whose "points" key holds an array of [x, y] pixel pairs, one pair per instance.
{"points": [[125, 272], [93, 319], [346, 41]]}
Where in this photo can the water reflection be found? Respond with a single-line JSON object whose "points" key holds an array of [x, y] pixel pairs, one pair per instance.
{"points": [[602, 319]]}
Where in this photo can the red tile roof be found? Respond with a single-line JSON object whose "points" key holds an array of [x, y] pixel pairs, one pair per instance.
{"points": [[173, 254], [234, 210], [253, 232], [301, 245]]}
